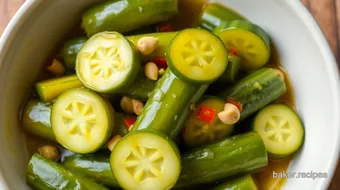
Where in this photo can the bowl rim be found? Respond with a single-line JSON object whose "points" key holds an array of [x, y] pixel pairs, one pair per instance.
{"points": [[13, 27], [332, 70], [302, 13]]}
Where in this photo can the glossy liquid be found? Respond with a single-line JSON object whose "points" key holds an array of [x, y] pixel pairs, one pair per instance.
{"points": [[265, 179], [189, 17], [189, 13]]}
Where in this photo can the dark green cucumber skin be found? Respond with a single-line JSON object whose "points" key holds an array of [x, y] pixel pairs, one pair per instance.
{"points": [[244, 182], [111, 15], [236, 155], [214, 14], [230, 158], [70, 50], [93, 166], [44, 174], [232, 72], [121, 128], [253, 98], [168, 106], [142, 30], [141, 89], [36, 120]]}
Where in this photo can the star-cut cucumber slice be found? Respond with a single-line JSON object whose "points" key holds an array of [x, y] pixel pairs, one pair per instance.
{"points": [[146, 160], [280, 128], [197, 56], [81, 120], [108, 63]]}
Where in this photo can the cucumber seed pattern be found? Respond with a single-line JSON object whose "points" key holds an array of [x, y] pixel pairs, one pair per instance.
{"points": [[278, 129], [106, 60], [144, 163], [198, 53], [79, 118]]}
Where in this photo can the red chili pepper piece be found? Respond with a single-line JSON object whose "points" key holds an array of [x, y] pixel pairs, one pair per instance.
{"points": [[129, 122], [236, 103], [161, 62], [206, 114], [233, 52], [165, 27]]}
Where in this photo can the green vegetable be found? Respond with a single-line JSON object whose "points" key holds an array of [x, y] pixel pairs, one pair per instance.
{"points": [[197, 56], [82, 121], [146, 160], [44, 174], [199, 131], [256, 90], [94, 166], [214, 14], [247, 40], [36, 119], [73, 46], [70, 50], [120, 123], [236, 155], [280, 128], [233, 70], [49, 90], [112, 15], [241, 183], [108, 63], [164, 39], [224, 157], [142, 30], [141, 89], [174, 96]]}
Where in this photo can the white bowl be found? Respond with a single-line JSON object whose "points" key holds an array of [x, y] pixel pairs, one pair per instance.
{"points": [[37, 27]]}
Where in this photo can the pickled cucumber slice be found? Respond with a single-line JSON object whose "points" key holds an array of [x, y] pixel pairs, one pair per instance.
{"points": [[280, 128], [146, 160], [81, 120], [248, 40], [197, 56], [107, 63]]}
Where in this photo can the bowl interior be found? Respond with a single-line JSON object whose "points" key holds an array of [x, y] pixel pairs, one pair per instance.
{"points": [[315, 80], [35, 31]]}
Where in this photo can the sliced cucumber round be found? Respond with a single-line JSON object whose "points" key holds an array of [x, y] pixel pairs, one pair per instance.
{"points": [[248, 40], [198, 131], [107, 63], [280, 128], [81, 120], [146, 160], [197, 56]]}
